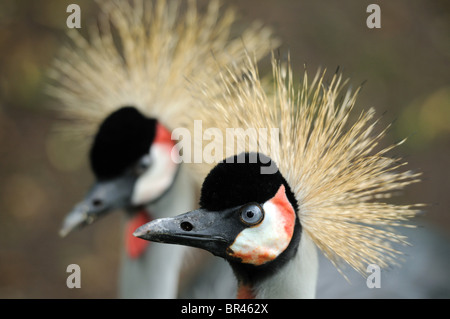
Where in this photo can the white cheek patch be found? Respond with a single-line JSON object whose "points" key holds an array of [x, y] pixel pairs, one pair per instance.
{"points": [[159, 176], [266, 241]]}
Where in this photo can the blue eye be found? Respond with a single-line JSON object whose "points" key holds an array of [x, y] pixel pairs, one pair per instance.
{"points": [[251, 214]]}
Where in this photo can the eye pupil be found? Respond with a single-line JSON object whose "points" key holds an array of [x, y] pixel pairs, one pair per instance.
{"points": [[252, 214]]}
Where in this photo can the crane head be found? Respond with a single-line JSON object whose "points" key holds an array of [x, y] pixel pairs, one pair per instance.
{"points": [[246, 217], [131, 160]]}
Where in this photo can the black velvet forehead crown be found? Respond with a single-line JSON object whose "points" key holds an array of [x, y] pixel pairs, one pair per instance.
{"points": [[236, 182], [123, 137]]}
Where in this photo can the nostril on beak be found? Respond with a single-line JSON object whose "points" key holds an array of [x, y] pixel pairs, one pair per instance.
{"points": [[97, 202], [186, 226]]}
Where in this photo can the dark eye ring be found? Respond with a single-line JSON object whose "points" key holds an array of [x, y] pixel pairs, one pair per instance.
{"points": [[251, 214]]}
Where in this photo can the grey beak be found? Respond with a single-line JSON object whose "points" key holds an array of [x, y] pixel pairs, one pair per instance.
{"points": [[103, 197], [78, 217], [199, 228]]}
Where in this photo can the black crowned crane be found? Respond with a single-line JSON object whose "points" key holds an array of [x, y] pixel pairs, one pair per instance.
{"points": [[126, 86], [317, 182]]}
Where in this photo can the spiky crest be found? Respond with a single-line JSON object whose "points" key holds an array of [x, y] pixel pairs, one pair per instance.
{"points": [[141, 53], [327, 157]]}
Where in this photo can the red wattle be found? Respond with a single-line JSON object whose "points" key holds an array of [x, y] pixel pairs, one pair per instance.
{"points": [[245, 292], [135, 247]]}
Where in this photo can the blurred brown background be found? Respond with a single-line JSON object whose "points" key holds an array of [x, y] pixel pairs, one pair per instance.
{"points": [[406, 64]]}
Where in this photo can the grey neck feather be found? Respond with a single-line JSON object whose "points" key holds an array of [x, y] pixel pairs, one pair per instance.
{"points": [[154, 275], [296, 279]]}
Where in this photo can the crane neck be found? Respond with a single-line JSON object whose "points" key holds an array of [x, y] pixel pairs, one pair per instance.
{"points": [[297, 279], [147, 275]]}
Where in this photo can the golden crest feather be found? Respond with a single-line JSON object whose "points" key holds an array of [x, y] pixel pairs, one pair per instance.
{"points": [[327, 157], [141, 53]]}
